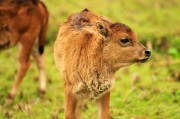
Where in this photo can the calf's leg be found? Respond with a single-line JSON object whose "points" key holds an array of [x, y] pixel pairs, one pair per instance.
{"points": [[103, 105], [71, 104], [24, 63], [25, 47], [39, 58]]}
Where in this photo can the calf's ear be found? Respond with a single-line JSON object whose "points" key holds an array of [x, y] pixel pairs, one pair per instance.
{"points": [[85, 10], [102, 29]]}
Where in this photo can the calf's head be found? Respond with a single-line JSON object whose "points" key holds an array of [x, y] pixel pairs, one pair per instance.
{"points": [[122, 47]]}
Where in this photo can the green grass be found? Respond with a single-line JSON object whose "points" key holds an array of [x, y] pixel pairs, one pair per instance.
{"points": [[152, 96], [155, 94], [151, 17]]}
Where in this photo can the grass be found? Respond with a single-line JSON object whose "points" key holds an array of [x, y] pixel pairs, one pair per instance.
{"points": [[151, 17], [141, 91]]}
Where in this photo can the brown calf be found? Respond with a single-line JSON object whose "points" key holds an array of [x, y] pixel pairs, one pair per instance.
{"points": [[88, 51], [24, 22]]}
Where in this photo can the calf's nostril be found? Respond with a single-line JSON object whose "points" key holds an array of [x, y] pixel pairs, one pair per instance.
{"points": [[147, 52]]}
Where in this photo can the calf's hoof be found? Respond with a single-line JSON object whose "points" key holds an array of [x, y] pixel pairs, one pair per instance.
{"points": [[42, 92], [9, 99]]}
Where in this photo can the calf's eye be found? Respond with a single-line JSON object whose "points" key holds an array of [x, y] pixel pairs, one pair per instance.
{"points": [[124, 40]]}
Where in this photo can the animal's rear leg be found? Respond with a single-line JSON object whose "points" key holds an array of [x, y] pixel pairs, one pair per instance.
{"points": [[39, 58], [24, 63]]}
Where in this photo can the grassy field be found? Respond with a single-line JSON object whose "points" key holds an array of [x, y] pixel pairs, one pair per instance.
{"points": [[142, 91]]}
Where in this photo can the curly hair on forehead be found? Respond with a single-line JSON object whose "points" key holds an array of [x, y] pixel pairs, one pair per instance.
{"points": [[121, 27]]}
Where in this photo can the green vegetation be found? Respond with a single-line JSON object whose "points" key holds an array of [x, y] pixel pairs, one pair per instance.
{"points": [[142, 91]]}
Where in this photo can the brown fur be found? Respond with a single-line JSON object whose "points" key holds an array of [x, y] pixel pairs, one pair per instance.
{"points": [[88, 52], [24, 21]]}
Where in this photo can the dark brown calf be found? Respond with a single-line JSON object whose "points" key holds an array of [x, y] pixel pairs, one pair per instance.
{"points": [[24, 22]]}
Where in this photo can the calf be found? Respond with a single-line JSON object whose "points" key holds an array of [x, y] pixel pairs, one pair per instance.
{"points": [[89, 49], [24, 22]]}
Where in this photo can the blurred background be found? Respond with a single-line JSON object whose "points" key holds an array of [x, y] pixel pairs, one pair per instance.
{"points": [[142, 91]]}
